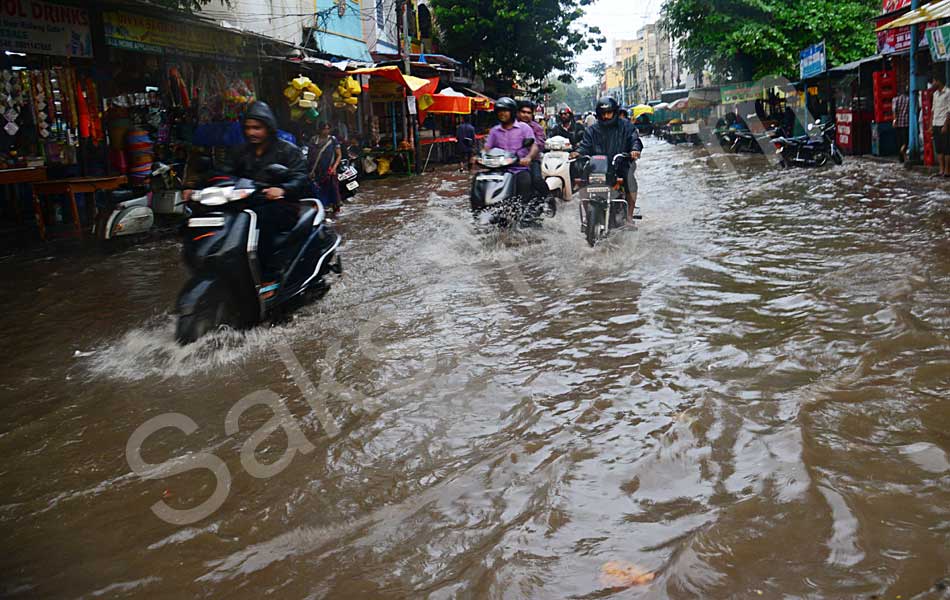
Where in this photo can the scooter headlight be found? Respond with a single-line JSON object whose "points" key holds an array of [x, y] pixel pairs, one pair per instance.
{"points": [[213, 196]]}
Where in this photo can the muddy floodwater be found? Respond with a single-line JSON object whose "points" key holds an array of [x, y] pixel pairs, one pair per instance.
{"points": [[747, 396]]}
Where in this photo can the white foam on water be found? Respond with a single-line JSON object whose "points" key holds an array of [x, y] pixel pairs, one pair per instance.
{"points": [[151, 351]]}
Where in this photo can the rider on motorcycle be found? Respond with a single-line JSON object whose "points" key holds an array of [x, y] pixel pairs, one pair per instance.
{"points": [[567, 127], [526, 115], [514, 136], [277, 212], [610, 136]]}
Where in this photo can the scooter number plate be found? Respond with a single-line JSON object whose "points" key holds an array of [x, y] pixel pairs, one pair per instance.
{"points": [[206, 222], [352, 185], [598, 190]]}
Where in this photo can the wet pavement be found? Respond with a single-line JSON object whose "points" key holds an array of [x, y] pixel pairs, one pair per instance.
{"points": [[746, 396]]}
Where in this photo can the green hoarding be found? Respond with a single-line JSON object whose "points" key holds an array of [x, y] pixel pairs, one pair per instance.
{"points": [[939, 40], [741, 92]]}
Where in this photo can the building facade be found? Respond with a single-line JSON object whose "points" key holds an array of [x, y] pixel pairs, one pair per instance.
{"points": [[333, 28], [656, 67], [380, 27]]}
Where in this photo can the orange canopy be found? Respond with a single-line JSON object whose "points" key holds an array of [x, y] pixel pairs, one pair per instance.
{"points": [[451, 105], [416, 85]]}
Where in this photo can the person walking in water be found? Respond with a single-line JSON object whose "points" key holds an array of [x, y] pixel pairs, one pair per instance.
{"points": [[324, 157]]}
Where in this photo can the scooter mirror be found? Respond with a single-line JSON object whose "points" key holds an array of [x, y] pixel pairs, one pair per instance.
{"points": [[276, 174], [811, 126]]}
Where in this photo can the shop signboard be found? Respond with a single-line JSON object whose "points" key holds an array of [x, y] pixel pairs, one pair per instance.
{"points": [[35, 27], [939, 40], [147, 34], [894, 5], [740, 92], [897, 40], [813, 61]]}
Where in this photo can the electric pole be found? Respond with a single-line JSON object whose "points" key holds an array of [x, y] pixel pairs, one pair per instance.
{"points": [[407, 48], [913, 143]]}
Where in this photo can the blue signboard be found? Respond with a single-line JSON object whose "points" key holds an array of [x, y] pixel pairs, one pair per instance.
{"points": [[814, 61]]}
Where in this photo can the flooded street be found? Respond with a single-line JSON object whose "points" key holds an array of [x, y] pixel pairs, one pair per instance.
{"points": [[746, 396]]}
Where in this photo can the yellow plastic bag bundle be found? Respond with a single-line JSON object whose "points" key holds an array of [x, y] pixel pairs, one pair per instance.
{"points": [[291, 93], [382, 165], [313, 89], [301, 82]]}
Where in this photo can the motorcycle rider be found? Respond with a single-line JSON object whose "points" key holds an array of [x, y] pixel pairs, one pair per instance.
{"points": [[278, 211], [567, 127], [514, 136], [610, 136], [526, 115]]}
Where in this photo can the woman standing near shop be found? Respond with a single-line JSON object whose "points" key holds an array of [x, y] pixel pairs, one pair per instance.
{"points": [[324, 157]]}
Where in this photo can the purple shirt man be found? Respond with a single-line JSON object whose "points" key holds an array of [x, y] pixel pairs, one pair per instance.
{"points": [[511, 140], [538, 134]]}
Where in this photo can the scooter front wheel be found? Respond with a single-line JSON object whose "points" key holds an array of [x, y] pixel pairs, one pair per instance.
{"points": [[552, 206], [216, 310]]}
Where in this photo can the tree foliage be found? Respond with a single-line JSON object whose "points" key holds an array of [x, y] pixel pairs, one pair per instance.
{"points": [[750, 39], [598, 70], [580, 99], [519, 40]]}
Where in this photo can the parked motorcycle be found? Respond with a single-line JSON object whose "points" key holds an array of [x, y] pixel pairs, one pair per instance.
{"points": [[557, 166], [227, 286], [603, 206], [128, 213], [493, 199], [813, 149], [744, 141], [348, 174]]}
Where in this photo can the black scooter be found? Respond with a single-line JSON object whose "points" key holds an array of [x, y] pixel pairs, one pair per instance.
{"points": [[227, 287]]}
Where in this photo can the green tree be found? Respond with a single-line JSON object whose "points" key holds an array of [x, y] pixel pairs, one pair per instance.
{"points": [[518, 40], [750, 39], [580, 99], [598, 70]]}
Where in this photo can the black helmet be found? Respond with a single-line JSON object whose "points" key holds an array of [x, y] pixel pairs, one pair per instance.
{"points": [[506, 103], [526, 104], [605, 105]]}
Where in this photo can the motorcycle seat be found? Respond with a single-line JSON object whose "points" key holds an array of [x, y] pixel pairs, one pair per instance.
{"points": [[117, 196]]}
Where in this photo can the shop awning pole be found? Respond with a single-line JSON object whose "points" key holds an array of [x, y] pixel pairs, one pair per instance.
{"points": [[913, 146]]}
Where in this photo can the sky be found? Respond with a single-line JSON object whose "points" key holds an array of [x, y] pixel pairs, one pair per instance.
{"points": [[617, 19]]}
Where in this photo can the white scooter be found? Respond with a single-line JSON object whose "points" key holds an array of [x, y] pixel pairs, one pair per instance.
{"points": [[128, 213], [556, 167]]}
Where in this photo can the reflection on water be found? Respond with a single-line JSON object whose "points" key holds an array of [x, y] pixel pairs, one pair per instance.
{"points": [[744, 396]]}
